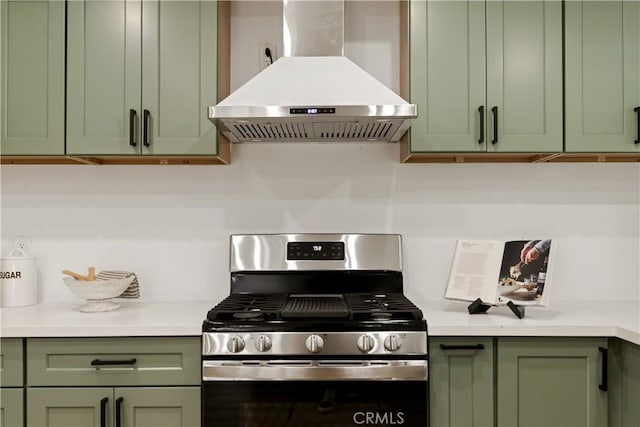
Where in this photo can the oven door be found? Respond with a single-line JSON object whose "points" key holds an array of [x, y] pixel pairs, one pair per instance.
{"points": [[328, 393]]}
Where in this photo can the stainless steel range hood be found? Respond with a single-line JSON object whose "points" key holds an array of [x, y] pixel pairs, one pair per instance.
{"points": [[313, 93]]}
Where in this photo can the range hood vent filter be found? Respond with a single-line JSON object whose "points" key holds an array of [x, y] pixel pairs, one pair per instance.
{"points": [[314, 132]]}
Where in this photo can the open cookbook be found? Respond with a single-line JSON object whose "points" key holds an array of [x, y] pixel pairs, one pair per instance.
{"points": [[501, 271]]}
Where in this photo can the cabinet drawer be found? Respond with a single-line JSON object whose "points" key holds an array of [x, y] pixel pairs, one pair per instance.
{"points": [[11, 370], [11, 407], [113, 361]]}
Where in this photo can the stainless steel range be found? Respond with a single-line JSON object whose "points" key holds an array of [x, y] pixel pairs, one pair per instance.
{"points": [[316, 332]]}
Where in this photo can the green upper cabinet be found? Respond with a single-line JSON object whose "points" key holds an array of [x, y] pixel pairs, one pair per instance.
{"points": [[32, 77], [551, 382], [487, 76], [140, 76], [602, 76]]}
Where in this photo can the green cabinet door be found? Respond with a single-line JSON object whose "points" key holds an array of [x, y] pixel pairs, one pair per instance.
{"points": [[103, 77], [179, 82], [486, 76], [32, 50], [447, 75], [461, 381], [524, 76], [69, 407], [159, 407], [140, 76], [551, 382], [624, 383], [602, 61], [11, 407]]}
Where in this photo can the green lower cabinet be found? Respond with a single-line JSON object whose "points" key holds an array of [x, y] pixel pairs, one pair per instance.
{"points": [[136, 406], [67, 407], [11, 362], [624, 383], [551, 382], [461, 381], [11, 407], [160, 407]]}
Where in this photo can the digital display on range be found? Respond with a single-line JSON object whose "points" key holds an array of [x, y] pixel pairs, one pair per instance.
{"points": [[312, 110], [303, 251]]}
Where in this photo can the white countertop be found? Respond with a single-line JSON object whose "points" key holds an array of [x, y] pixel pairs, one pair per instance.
{"points": [[444, 318], [561, 319]]}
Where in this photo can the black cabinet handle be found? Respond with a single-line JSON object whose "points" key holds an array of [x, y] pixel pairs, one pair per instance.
{"points": [[494, 110], [481, 111], [605, 380], [462, 346], [637, 110], [103, 412], [132, 127], [119, 411], [145, 127], [98, 362]]}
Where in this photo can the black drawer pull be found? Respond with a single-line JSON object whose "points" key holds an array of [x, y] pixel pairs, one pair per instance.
{"points": [[494, 110], [103, 412], [481, 111], [145, 128], [605, 380], [132, 127], [637, 110], [98, 362], [462, 346], [119, 411]]}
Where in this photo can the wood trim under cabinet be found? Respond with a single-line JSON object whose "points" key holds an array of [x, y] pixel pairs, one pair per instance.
{"points": [[405, 90], [121, 160], [407, 157], [224, 71]]}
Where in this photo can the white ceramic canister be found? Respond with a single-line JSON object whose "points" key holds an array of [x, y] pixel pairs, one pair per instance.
{"points": [[18, 279]]}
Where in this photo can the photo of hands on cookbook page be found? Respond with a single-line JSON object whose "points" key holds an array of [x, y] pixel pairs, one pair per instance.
{"points": [[501, 271]]}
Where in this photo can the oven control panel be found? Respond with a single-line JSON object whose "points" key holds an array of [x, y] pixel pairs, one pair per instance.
{"points": [[311, 251], [320, 343]]}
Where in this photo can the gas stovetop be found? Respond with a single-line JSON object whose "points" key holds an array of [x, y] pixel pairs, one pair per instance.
{"points": [[350, 307], [308, 312], [315, 294]]}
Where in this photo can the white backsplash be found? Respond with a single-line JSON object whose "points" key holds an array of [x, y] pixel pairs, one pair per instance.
{"points": [[170, 224]]}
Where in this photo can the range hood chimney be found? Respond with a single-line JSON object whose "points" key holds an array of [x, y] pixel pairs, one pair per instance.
{"points": [[313, 93]]}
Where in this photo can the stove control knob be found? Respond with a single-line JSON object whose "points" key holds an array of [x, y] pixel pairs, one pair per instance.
{"points": [[263, 343], [392, 342], [365, 343], [314, 343], [235, 344]]}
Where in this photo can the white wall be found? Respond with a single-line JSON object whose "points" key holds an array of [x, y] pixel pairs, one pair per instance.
{"points": [[170, 224], [372, 37]]}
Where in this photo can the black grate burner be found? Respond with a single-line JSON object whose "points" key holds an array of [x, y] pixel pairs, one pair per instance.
{"points": [[279, 307]]}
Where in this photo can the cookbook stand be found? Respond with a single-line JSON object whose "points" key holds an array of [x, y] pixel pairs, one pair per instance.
{"points": [[478, 306]]}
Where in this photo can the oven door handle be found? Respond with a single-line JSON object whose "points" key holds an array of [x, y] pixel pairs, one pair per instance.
{"points": [[328, 370]]}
